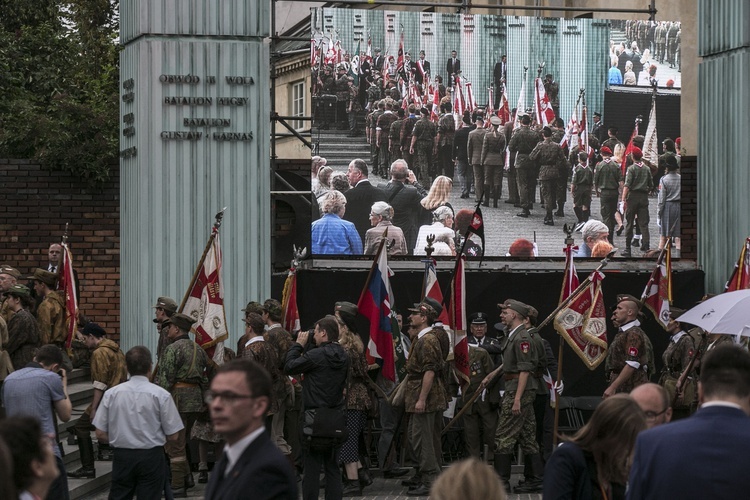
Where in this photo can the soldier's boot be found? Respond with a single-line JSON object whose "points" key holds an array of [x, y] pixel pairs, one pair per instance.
{"points": [[579, 215], [548, 219], [560, 212], [503, 464], [487, 193], [179, 470], [87, 470], [495, 196], [585, 215], [524, 213], [534, 482]]}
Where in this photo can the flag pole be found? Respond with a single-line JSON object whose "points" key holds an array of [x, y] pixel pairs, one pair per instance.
{"points": [[659, 262], [214, 230], [569, 248]]}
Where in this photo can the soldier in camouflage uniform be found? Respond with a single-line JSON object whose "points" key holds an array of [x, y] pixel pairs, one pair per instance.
{"points": [[607, 179], [371, 124], [558, 132], [549, 157], [373, 95], [108, 369], [251, 307], [353, 108], [516, 425], [422, 146], [342, 96], [425, 396], [407, 127], [50, 314], [281, 341], [382, 134], [522, 143], [257, 349], [182, 372], [630, 357], [580, 188], [680, 350], [446, 129], [638, 183], [394, 141]]}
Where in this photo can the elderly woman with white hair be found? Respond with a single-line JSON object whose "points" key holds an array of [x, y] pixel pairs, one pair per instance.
{"points": [[381, 217], [331, 234], [593, 231], [442, 224]]}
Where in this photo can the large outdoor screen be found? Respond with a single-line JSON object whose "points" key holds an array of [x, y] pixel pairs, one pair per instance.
{"points": [[591, 74]]}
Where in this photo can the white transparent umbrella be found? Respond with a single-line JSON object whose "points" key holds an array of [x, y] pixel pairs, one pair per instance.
{"points": [[727, 313]]}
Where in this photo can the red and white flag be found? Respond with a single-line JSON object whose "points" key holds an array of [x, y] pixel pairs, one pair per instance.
{"points": [[504, 110], [582, 323], [472, 105], [400, 59], [542, 107], [520, 105], [566, 141], [204, 301], [432, 289], [368, 50], [459, 326], [435, 105], [67, 283], [570, 278], [629, 148], [657, 296], [740, 279], [289, 310], [459, 103], [583, 135], [313, 53]]}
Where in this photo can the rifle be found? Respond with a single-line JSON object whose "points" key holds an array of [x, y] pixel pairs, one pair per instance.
{"points": [[684, 375]]}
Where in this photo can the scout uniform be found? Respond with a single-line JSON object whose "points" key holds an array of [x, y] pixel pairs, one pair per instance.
{"points": [[639, 182], [630, 346], [676, 357], [607, 178], [548, 156], [5, 311], [51, 312], [425, 355]]}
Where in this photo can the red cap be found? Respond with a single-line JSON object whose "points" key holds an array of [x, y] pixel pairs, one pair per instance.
{"points": [[606, 151], [637, 153], [678, 141]]}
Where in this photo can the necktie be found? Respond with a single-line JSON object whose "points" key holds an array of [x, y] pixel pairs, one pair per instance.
{"points": [[53, 269]]}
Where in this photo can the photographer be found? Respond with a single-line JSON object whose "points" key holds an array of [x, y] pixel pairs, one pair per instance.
{"points": [[325, 367], [40, 390]]}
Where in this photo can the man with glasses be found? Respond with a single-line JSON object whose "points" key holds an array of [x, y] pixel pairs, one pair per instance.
{"points": [[654, 401], [182, 372], [251, 464], [137, 418]]}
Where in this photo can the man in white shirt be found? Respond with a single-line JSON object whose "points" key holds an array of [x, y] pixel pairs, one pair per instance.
{"points": [[137, 418]]}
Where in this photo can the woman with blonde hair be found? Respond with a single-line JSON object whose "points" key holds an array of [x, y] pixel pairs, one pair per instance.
{"points": [[358, 400], [595, 462], [469, 479], [438, 196], [493, 159], [324, 182]]}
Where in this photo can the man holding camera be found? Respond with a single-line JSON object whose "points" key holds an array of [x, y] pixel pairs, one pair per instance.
{"points": [[325, 366]]}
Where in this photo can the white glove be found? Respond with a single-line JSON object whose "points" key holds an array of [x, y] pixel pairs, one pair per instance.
{"points": [[558, 387], [621, 207]]}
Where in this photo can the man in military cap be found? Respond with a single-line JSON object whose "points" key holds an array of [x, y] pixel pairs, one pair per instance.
{"points": [[23, 329], [516, 425], [425, 395], [51, 311], [522, 143], [164, 308], [630, 357], [422, 145], [251, 307], [8, 277], [108, 369], [183, 374], [638, 183], [281, 341], [549, 158], [478, 337], [607, 180], [680, 350], [480, 419]]}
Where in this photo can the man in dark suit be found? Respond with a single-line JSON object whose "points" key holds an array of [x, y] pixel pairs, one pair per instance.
{"points": [[251, 464], [378, 61], [499, 77], [360, 197], [404, 193], [422, 70], [705, 455], [453, 66]]}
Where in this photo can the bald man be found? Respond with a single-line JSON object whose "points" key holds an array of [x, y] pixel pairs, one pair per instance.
{"points": [[654, 401]]}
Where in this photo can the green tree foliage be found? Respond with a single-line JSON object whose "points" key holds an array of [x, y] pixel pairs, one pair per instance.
{"points": [[59, 76]]}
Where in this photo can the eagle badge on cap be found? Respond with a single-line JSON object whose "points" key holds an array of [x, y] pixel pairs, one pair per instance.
{"points": [[633, 352], [525, 347]]}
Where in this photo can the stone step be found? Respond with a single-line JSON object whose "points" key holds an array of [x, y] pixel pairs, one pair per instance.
{"points": [[82, 488]]}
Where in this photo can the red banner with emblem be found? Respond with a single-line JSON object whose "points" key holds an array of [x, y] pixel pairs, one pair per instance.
{"points": [[67, 283]]}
